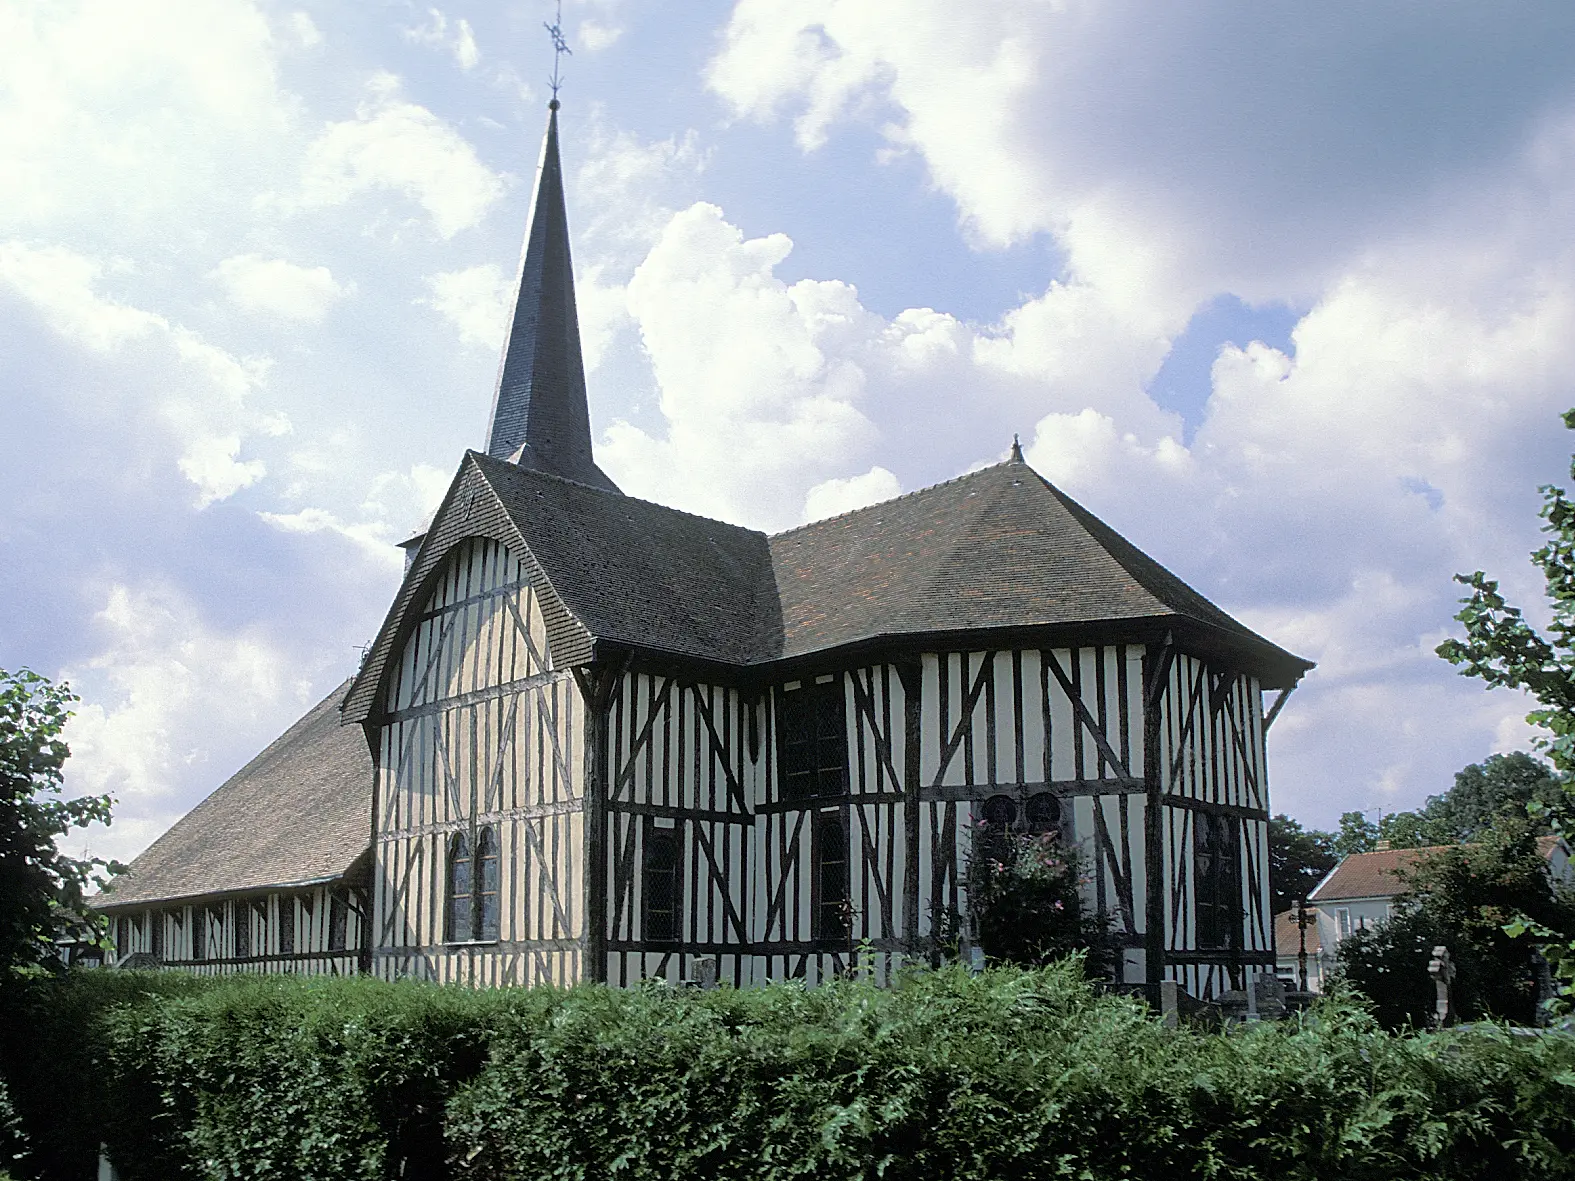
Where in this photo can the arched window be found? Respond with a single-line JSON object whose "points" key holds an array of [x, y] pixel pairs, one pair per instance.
{"points": [[1044, 813], [486, 885], [472, 888], [997, 822], [833, 912], [460, 899], [659, 885]]}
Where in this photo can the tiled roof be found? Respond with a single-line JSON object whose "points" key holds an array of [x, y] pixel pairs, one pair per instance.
{"points": [[1373, 875], [299, 812], [996, 550], [1287, 939], [1369, 875]]}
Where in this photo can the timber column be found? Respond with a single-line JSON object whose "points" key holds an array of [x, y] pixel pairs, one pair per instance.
{"points": [[1156, 673], [911, 674], [597, 684]]}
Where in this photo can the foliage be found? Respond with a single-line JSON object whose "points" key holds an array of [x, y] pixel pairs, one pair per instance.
{"points": [[1025, 890], [1502, 649], [1500, 784], [41, 889], [1006, 1074], [1298, 860], [1460, 896]]}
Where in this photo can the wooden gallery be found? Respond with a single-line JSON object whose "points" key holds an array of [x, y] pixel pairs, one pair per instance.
{"points": [[598, 738]]}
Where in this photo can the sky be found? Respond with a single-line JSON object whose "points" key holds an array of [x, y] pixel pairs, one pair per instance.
{"points": [[1284, 293]]}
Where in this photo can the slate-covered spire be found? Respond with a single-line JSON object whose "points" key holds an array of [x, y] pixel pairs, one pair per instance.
{"points": [[540, 415]]}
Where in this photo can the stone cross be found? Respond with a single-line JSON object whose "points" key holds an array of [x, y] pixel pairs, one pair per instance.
{"points": [[1442, 970]]}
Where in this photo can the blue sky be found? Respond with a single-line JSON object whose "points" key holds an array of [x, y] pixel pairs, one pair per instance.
{"points": [[1287, 295]]}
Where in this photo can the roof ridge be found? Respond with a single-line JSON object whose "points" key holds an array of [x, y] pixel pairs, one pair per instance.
{"points": [[979, 471], [621, 497]]}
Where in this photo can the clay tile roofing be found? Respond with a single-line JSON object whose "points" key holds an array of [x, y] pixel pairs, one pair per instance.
{"points": [[1288, 940], [997, 550], [300, 812], [1369, 875], [1000, 548]]}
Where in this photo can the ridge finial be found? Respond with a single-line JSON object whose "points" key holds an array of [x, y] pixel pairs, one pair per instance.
{"points": [[1017, 449]]}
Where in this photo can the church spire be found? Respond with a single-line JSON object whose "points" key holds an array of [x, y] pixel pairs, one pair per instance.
{"points": [[540, 414]]}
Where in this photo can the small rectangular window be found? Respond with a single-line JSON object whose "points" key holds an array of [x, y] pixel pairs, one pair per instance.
{"points": [[286, 925], [1217, 879], [243, 929], [157, 919], [659, 885], [812, 740], [1342, 917], [122, 937]]}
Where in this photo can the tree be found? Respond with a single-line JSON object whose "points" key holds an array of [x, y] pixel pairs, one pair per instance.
{"points": [[1503, 650], [1485, 791], [41, 889], [1298, 860], [1462, 896]]}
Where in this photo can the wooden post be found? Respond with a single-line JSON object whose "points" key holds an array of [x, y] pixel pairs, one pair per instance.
{"points": [[1156, 671], [596, 688], [912, 676]]}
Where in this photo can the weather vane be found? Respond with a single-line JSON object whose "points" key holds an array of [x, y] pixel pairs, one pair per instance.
{"points": [[559, 48]]}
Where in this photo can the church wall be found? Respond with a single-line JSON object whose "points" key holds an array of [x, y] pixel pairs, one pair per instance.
{"points": [[310, 931], [680, 771], [1213, 764], [481, 733], [1065, 723]]}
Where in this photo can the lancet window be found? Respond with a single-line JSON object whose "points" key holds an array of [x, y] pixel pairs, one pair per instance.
{"points": [[473, 875]]}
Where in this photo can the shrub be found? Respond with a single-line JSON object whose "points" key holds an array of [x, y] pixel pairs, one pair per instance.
{"points": [[1007, 1074]]}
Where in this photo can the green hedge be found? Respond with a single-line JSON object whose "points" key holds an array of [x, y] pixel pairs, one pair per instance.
{"points": [[1008, 1074]]}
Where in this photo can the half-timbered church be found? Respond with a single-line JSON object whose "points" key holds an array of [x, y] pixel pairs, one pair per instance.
{"points": [[597, 738]]}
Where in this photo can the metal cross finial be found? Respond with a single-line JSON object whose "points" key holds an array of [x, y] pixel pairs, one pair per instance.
{"points": [[559, 48]]}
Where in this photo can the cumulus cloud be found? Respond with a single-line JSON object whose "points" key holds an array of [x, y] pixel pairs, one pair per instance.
{"points": [[751, 386], [1016, 112], [279, 288], [110, 106], [475, 300], [207, 390], [435, 31], [303, 29], [165, 691], [395, 144], [842, 495]]}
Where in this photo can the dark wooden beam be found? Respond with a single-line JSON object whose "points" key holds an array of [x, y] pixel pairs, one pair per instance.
{"points": [[1274, 710], [1156, 667], [911, 674]]}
